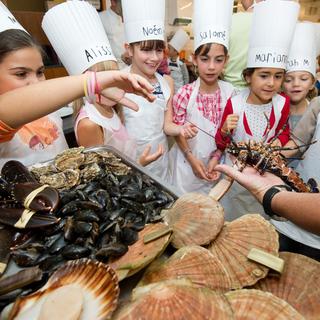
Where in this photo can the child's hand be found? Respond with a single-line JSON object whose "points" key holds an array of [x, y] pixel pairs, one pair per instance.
{"points": [[211, 173], [198, 168], [230, 123], [117, 83], [188, 131], [147, 158]]}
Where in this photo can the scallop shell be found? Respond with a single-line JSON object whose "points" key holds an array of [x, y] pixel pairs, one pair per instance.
{"points": [[194, 263], [196, 219], [175, 300], [235, 241], [299, 284], [256, 304], [97, 282], [139, 254]]}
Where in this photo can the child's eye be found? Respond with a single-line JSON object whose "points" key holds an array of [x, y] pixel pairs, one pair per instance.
{"points": [[203, 58], [21, 74], [278, 76], [263, 76], [40, 73]]}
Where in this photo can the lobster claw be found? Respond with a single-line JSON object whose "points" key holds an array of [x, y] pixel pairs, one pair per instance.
{"points": [[15, 172], [45, 198], [17, 218]]}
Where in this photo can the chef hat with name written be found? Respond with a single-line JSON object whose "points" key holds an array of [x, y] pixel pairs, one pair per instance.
{"points": [[77, 35], [302, 56], [179, 40], [7, 20], [212, 22], [272, 30], [143, 20]]}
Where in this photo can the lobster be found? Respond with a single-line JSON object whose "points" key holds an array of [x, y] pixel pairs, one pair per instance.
{"points": [[265, 157]]}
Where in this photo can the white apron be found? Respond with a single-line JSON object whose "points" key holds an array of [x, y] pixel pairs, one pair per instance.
{"points": [[30, 148], [146, 126], [114, 132], [201, 145], [308, 168], [176, 74], [238, 201]]}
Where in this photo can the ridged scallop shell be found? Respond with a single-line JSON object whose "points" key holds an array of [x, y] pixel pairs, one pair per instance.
{"points": [[194, 263], [259, 305], [173, 300], [97, 282], [299, 284], [196, 219], [235, 241], [140, 254]]}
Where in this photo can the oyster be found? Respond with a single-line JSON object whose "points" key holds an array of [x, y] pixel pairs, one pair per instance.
{"points": [[299, 284], [90, 171], [234, 242], [194, 263], [195, 219], [93, 283], [256, 304], [69, 159], [139, 254], [39, 171], [176, 300]]}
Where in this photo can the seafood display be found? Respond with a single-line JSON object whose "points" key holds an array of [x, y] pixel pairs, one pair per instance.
{"points": [[255, 304], [81, 290], [175, 300], [195, 220], [234, 243], [299, 284]]}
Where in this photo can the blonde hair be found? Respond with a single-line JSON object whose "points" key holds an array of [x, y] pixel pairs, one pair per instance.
{"points": [[100, 66]]}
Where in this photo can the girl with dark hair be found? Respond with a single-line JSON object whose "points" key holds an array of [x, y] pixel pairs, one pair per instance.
{"points": [[202, 102]]}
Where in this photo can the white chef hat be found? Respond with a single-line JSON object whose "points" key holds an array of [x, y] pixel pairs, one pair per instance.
{"points": [[7, 20], [211, 22], [302, 56], [317, 30], [179, 40], [77, 35], [143, 19], [272, 29]]}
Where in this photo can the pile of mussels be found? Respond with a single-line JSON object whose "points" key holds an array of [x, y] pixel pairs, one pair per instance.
{"points": [[96, 218]]}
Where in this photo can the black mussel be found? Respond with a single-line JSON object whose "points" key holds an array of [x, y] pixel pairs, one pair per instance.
{"points": [[21, 237], [124, 180], [313, 185], [129, 217], [80, 241], [69, 209], [111, 250], [49, 241], [86, 215], [6, 236], [91, 187], [15, 172], [131, 205], [107, 225], [114, 192], [117, 213], [24, 258], [52, 230], [51, 263], [104, 240], [138, 225], [95, 232], [58, 245], [156, 218], [149, 194], [73, 252], [147, 180], [37, 246], [135, 195], [69, 230], [139, 181], [103, 198], [67, 196], [115, 203], [129, 236], [81, 195], [82, 228]]}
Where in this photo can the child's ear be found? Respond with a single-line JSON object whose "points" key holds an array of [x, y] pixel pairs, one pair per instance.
{"points": [[129, 49], [227, 59], [194, 60]]}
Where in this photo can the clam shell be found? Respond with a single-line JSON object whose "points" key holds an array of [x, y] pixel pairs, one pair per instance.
{"points": [[139, 254], [196, 219], [235, 241], [174, 300], [299, 284], [194, 263], [256, 304], [97, 282]]}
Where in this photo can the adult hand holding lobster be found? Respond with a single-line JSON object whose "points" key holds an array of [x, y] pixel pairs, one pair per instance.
{"points": [[230, 123]]}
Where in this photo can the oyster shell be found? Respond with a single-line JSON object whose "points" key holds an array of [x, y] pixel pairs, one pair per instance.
{"points": [[299, 284], [194, 263], [256, 304], [97, 283], [196, 219], [176, 300], [234, 242], [139, 254], [69, 159]]}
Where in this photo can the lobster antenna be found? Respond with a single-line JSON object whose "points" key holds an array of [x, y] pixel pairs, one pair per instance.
{"points": [[278, 134], [268, 127]]}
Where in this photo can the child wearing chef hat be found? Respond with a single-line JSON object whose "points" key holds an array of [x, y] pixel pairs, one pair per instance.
{"points": [[77, 35], [202, 102], [259, 113], [178, 69], [144, 29]]}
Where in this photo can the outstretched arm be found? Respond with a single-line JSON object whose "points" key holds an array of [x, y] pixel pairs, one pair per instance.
{"points": [[23, 105], [300, 208]]}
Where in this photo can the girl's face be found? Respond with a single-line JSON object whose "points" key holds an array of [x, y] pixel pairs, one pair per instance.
{"points": [[210, 65], [20, 68], [264, 84], [297, 85], [146, 62]]}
